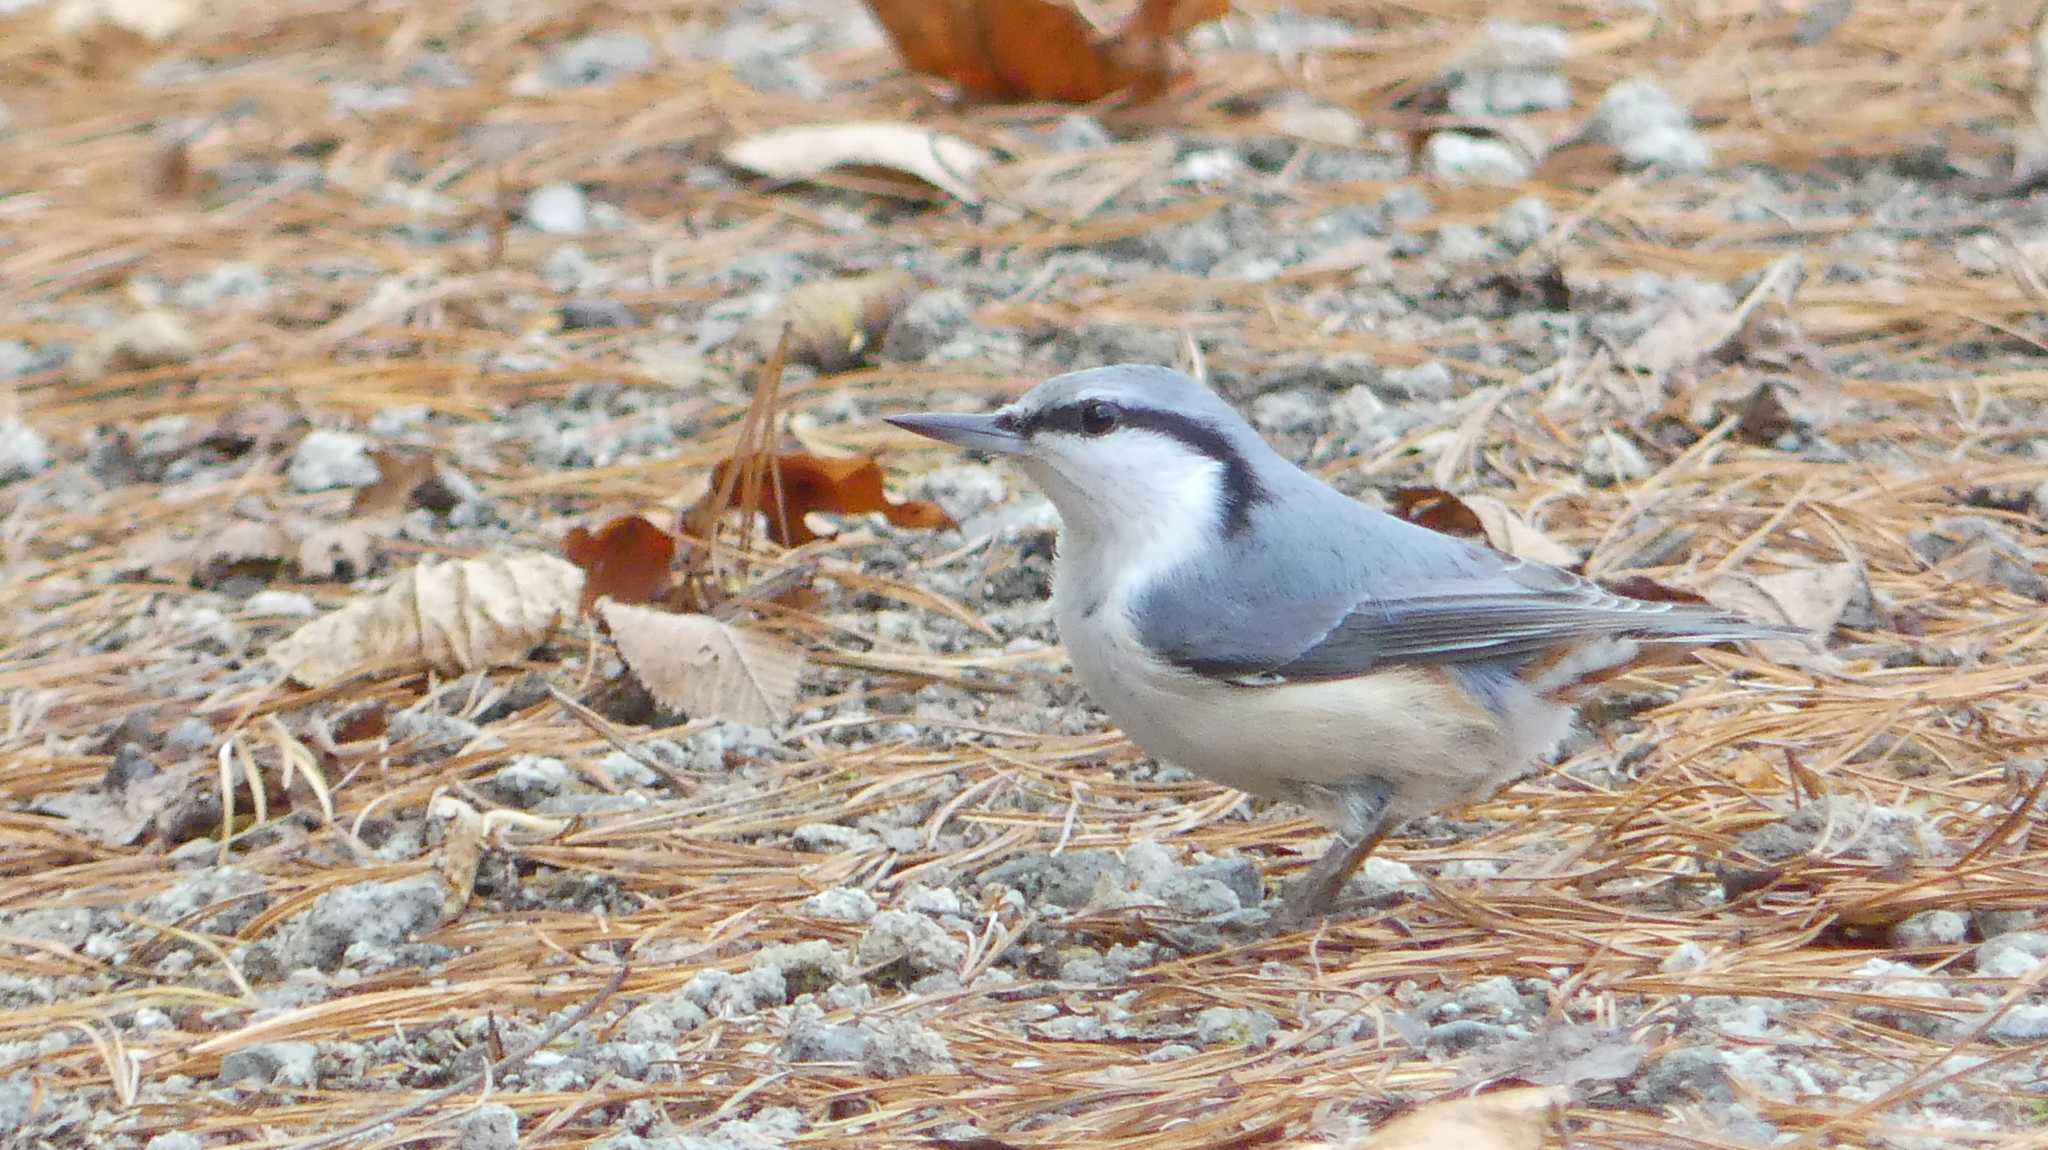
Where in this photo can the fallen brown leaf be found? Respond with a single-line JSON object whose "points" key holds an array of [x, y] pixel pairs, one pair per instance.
{"points": [[1504, 1120], [833, 323], [946, 162], [841, 486], [454, 615], [1480, 517], [704, 668], [1041, 49], [400, 474], [627, 560]]}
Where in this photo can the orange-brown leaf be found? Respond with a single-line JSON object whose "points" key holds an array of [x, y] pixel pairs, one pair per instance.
{"points": [[400, 473], [1438, 510], [1165, 19], [1040, 49], [810, 483], [626, 560]]}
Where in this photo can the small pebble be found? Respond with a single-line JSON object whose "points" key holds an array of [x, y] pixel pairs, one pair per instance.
{"points": [[326, 459], [23, 451], [281, 604], [492, 1126], [558, 210], [1461, 158]]}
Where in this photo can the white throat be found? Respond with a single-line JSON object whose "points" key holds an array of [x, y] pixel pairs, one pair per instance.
{"points": [[1144, 505]]}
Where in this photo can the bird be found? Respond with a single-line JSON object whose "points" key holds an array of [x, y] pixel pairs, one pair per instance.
{"points": [[1238, 617]]}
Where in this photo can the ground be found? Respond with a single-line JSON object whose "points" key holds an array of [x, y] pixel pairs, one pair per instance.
{"points": [[1723, 296]]}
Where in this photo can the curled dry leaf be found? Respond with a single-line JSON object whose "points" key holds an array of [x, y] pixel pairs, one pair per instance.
{"points": [[841, 486], [467, 833], [1041, 49], [833, 323], [1480, 517], [627, 560], [1504, 1120], [946, 162], [453, 615], [704, 668]]}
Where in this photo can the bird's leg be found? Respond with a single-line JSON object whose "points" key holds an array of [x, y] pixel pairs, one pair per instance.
{"points": [[1362, 810]]}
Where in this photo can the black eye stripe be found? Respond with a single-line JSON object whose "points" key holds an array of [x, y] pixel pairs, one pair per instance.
{"points": [[1241, 489]]}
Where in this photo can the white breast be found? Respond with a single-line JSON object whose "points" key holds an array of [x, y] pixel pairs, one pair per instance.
{"points": [[1407, 726]]}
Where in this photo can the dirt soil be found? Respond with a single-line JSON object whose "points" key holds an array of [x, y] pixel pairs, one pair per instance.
{"points": [[1725, 296]]}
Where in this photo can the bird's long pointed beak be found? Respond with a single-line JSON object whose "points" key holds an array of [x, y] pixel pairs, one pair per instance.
{"points": [[974, 432]]}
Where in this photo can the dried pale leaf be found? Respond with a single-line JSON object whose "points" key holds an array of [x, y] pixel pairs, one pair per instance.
{"points": [[462, 850], [457, 615], [1504, 1120], [946, 162], [122, 816], [704, 668], [339, 550], [153, 20], [1509, 532], [833, 323], [2030, 148], [141, 342], [1813, 598], [1482, 517]]}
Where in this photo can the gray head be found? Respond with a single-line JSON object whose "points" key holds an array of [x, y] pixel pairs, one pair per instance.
{"points": [[1118, 448]]}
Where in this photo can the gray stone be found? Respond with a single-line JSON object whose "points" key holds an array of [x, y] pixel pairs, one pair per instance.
{"points": [[325, 460], [1649, 128], [1932, 928], [1523, 223], [492, 1126], [291, 1064], [177, 1141], [188, 735], [928, 323], [598, 59], [528, 780], [23, 451], [17, 1094], [900, 1047], [281, 604], [843, 904], [665, 1019], [2012, 955], [1462, 158], [2024, 1022], [919, 944], [1431, 380], [811, 1040], [373, 914], [1234, 1026], [1079, 133], [1068, 880], [558, 210], [582, 314]]}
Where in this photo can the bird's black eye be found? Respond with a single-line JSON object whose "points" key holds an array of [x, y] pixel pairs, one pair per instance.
{"points": [[1098, 417]]}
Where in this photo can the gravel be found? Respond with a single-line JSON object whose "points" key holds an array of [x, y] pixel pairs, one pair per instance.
{"points": [[325, 460]]}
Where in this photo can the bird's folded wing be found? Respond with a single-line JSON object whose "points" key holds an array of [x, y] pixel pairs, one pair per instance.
{"points": [[1515, 611]]}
